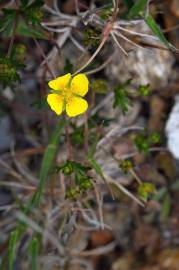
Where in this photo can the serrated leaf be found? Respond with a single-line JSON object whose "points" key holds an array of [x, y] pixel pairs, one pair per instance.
{"points": [[157, 31], [6, 24], [29, 31], [137, 10]]}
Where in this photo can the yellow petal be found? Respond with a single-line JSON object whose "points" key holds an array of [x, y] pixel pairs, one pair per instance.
{"points": [[60, 82], [56, 103], [79, 85], [76, 106]]}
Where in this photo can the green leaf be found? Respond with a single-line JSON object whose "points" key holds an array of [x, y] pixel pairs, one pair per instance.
{"points": [[95, 166], [157, 31], [6, 24], [121, 98], [137, 10], [166, 207], [11, 248], [29, 31], [48, 161], [34, 251]]}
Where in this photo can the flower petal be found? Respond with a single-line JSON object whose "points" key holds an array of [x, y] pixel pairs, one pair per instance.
{"points": [[60, 82], [56, 103], [79, 85], [76, 106]]}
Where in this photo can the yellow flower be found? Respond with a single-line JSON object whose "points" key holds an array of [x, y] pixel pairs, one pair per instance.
{"points": [[67, 94]]}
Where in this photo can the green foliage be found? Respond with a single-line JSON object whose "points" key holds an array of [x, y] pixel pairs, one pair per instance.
{"points": [[154, 137], [138, 9], [79, 170], [72, 193], [19, 53], [121, 97], [145, 190], [11, 248], [83, 186], [77, 136], [48, 161], [166, 206], [106, 13], [126, 165], [144, 90], [99, 86], [29, 31], [34, 251], [7, 21], [23, 17], [8, 71], [66, 168], [143, 141], [82, 180], [32, 13], [91, 37], [156, 30]]}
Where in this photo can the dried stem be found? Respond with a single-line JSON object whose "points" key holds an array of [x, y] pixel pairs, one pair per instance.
{"points": [[45, 58], [93, 56]]}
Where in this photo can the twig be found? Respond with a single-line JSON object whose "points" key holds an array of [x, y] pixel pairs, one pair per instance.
{"points": [[97, 251], [10, 170], [123, 189], [92, 57], [99, 206], [133, 173], [45, 58], [95, 70], [118, 44]]}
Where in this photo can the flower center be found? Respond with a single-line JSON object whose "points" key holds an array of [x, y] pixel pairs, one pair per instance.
{"points": [[67, 94]]}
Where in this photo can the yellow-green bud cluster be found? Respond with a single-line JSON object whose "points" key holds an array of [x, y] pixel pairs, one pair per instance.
{"points": [[126, 165], [8, 72], [19, 53]]}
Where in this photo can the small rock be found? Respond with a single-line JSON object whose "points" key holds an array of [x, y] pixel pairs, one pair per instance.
{"points": [[172, 129]]}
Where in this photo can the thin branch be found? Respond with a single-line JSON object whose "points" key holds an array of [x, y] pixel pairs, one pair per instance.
{"points": [[118, 44], [93, 56], [123, 189], [45, 58], [127, 40], [95, 70]]}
